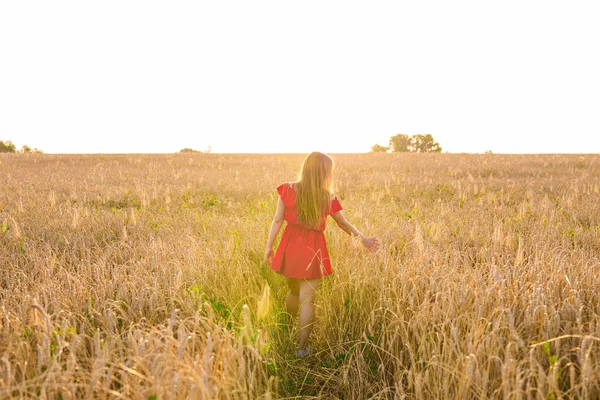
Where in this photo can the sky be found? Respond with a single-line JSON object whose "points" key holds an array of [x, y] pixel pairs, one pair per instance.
{"points": [[282, 76]]}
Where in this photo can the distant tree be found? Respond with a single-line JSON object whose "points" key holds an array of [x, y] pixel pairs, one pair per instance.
{"points": [[401, 143], [377, 148], [27, 149], [425, 144], [189, 150], [7, 147]]}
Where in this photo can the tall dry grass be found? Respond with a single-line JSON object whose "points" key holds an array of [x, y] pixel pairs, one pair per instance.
{"points": [[140, 276]]}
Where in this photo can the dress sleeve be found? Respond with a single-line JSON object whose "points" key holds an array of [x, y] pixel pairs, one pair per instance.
{"points": [[335, 206], [284, 193]]}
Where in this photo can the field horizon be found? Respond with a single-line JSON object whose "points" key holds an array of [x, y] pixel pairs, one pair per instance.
{"points": [[141, 276], [293, 154]]}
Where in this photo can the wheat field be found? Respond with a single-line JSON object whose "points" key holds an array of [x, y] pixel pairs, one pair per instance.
{"points": [[141, 276]]}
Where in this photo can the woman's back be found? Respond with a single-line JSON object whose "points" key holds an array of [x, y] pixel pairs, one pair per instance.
{"points": [[288, 194]]}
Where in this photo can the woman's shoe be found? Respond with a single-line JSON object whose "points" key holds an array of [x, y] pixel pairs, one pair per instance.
{"points": [[303, 352]]}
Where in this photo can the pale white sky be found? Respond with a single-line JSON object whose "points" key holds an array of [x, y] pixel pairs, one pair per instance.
{"points": [[280, 76]]}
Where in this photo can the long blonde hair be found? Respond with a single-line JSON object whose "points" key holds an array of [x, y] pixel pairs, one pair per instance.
{"points": [[314, 188]]}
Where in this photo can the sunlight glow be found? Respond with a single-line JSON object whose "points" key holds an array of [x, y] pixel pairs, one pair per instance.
{"points": [[269, 76]]}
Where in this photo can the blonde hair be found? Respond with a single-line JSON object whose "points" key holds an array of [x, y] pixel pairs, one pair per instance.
{"points": [[314, 188]]}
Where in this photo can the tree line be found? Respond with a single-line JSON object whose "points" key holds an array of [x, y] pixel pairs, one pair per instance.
{"points": [[9, 147], [421, 143]]}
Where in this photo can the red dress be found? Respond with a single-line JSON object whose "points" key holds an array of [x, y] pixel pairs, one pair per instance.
{"points": [[302, 252]]}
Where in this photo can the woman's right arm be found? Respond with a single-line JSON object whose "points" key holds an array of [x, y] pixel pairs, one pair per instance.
{"points": [[274, 230], [370, 243]]}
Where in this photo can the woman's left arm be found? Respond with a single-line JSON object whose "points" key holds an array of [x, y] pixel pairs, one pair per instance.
{"points": [[370, 243], [274, 231]]}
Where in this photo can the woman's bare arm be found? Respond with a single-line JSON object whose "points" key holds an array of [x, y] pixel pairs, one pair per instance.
{"points": [[370, 243], [274, 230]]}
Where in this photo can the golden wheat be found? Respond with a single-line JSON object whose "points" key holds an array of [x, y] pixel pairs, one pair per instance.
{"points": [[140, 276]]}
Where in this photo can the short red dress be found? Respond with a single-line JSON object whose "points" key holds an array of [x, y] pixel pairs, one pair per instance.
{"points": [[302, 252]]}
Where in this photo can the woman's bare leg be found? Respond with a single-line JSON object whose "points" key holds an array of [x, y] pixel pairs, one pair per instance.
{"points": [[308, 291], [291, 299]]}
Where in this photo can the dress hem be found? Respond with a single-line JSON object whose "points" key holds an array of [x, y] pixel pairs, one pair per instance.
{"points": [[303, 277]]}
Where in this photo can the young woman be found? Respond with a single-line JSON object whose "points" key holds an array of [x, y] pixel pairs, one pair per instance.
{"points": [[302, 255]]}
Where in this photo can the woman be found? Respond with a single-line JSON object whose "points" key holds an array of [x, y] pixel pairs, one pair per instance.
{"points": [[302, 255]]}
